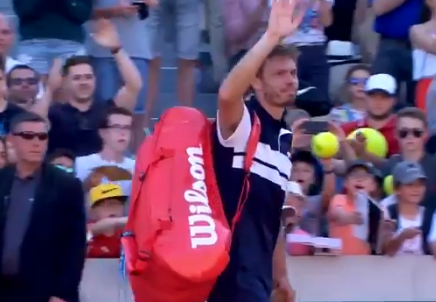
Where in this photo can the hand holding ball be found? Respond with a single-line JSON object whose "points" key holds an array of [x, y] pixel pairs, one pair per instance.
{"points": [[325, 145], [375, 142]]}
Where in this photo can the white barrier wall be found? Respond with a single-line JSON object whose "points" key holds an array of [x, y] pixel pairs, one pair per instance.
{"points": [[323, 279]]}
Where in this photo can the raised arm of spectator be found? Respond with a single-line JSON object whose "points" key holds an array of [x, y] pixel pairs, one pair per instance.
{"points": [[423, 39], [78, 11], [106, 35], [72, 248], [382, 7], [54, 82], [325, 12], [230, 95], [242, 21], [329, 183], [30, 9]]}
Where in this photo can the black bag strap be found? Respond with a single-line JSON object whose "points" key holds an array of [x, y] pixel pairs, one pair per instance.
{"points": [[427, 221], [393, 214]]}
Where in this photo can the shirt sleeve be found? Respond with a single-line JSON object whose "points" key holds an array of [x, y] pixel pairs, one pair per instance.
{"points": [[239, 138]]}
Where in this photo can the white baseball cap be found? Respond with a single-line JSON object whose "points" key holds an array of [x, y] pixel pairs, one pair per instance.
{"points": [[381, 82]]}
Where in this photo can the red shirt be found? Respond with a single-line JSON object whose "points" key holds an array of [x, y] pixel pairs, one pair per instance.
{"points": [[388, 130], [102, 246]]}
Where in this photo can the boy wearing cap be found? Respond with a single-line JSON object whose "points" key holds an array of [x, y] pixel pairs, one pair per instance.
{"points": [[413, 229], [107, 211], [343, 214]]}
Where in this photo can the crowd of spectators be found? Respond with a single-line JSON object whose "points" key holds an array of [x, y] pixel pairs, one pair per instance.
{"points": [[92, 69]]}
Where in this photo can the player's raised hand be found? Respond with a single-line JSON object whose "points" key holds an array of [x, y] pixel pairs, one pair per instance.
{"points": [[284, 18]]}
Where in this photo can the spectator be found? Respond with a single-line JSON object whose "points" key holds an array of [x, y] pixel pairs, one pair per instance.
{"points": [[394, 54], [380, 90], [75, 124], [186, 16], [412, 133], [244, 23], [22, 83], [49, 31], [344, 213], [11, 153], [63, 159], [304, 166], [356, 99], [414, 227], [44, 218], [3, 153], [107, 214], [133, 38], [423, 36], [115, 132], [311, 40]]}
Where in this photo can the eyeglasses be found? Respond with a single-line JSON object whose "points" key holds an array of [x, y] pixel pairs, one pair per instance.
{"points": [[357, 81], [42, 136], [119, 127], [415, 132], [21, 81]]}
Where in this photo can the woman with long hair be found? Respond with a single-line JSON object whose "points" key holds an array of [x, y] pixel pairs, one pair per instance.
{"points": [[354, 88], [423, 38]]}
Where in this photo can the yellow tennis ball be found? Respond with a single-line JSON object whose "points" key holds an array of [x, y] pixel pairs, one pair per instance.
{"points": [[375, 141], [325, 145], [388, 185]]}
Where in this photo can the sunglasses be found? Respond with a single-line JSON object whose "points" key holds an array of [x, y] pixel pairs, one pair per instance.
{"points": [[415, 132], [357, 81], [21, 81], [31, 135]]}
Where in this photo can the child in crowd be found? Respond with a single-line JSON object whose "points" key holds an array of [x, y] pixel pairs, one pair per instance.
{"points": [[343, 214], [410, 229], [306, 174], [107, 202]]}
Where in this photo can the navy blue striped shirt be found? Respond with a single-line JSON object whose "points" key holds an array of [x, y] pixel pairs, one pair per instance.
{"points": [[256, 233]]}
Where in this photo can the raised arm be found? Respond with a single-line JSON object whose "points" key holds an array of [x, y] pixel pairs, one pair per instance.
{"points": [[282, 22], [106, 35]]}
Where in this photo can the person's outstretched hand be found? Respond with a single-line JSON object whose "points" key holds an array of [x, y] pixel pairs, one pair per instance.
{"points": [[284, 19], [106, 34]]}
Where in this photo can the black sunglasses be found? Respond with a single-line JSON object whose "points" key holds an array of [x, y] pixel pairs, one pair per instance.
{"points": [[20, 81], [415, 132], [31, 135]]}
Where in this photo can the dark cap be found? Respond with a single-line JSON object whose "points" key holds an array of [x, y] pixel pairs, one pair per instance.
{"points": [[363, 164], [407, 172]]}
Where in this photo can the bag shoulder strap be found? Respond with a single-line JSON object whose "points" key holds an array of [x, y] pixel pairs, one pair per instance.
{"points": [[427, 221], [393, 213], [252, 142]]}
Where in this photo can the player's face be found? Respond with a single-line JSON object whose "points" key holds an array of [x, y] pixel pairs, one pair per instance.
{"points": [[80, 82], [278, 81]]}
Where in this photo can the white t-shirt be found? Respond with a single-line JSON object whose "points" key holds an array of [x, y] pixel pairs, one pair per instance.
{"points": [[413, 246], [85, 164]]}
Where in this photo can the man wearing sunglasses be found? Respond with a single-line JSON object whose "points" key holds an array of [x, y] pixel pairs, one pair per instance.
{"points": [[411, 133], [43, 213], [22, 84]]}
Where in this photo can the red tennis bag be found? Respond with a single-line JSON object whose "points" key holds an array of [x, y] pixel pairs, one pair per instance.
{"points": [[177, 236]]}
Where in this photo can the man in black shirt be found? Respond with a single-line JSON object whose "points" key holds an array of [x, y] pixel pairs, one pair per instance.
{"points": [[257, 256], [74, 125]]}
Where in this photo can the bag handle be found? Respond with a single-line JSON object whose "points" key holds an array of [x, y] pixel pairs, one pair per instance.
{"points": [[253, 140]]}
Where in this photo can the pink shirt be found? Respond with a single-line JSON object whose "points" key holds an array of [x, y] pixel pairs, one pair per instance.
{"points": [[235, 14]]}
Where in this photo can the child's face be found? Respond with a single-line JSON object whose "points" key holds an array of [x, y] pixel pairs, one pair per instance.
{"points": [[108, 208], [413, 192], [359, 179], [304, 174]]}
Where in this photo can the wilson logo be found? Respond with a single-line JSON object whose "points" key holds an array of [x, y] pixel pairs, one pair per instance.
{"points": [[202, 226]]}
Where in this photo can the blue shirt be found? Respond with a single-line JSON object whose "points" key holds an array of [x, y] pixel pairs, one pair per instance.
{"points": [[248, 276], [396, 23]]}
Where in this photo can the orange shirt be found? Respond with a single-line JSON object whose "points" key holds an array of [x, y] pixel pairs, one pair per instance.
{"points": [[351, 245], [102, 246], [388, 131]]}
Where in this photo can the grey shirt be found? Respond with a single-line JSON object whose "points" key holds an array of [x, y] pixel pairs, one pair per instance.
{"points": [[133, 33], [18, 215]]}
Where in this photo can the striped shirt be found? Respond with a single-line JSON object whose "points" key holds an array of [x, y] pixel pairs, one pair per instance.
{"points": [[256, 233]]}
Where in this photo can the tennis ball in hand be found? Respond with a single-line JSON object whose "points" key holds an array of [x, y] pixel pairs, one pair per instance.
{"points": [[375, 141], [388, 185], [325, 145]]}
